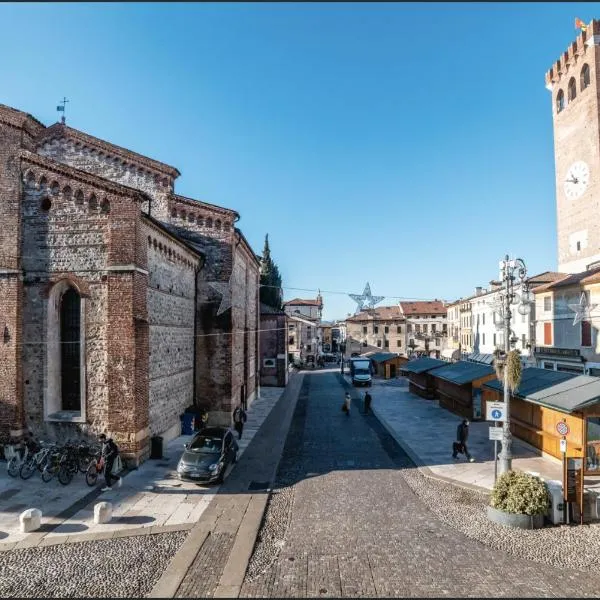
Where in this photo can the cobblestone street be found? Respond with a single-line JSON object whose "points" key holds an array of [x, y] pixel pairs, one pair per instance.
{"points": [[343, 521]]}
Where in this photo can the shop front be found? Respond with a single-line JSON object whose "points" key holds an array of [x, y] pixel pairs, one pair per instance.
{"points": [[553, 406], [563, 360]]}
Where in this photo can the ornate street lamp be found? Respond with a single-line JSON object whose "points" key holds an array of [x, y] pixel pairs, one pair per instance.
{"points": [[513, 273]]}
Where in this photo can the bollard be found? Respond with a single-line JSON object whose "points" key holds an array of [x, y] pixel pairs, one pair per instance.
{"points": [[102, 512], [30, 519]]}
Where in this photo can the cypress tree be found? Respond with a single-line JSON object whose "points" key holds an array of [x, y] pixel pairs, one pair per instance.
{"points": [[271, 293]]}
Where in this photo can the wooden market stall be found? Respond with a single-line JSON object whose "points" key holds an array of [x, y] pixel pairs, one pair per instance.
{"points": [[554, 405], [420, 380], [458, 387], [387, 364]]}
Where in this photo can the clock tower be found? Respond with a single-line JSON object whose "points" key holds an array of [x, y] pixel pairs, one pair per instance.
{"points": [[574, 82]]}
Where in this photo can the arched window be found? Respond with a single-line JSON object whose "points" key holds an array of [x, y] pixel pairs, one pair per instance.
{"points": [[218, 225], [209, 223], [572, 90], [70, 351], [585, 77], [560, 101], [64, 392]]}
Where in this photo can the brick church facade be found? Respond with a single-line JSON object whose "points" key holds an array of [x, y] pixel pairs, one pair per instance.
{"points": [[108, 321]]}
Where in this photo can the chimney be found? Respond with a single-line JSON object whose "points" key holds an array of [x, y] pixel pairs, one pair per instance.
{"points": [[478, 291]]}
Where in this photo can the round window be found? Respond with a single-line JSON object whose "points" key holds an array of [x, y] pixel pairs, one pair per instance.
{"points": [[46, 204]]}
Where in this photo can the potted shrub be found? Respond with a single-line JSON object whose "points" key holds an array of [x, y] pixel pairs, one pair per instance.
{"points": [[519, 500]]}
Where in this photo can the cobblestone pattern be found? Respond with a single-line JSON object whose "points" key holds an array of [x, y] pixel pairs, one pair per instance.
{"points": [[123, 567], [209, 562], [278, 513], [361, 529]]}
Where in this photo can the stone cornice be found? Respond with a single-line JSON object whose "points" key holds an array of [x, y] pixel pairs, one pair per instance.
{"points": [[246, 245], [82, 176], [60, 131], [205, 205]]}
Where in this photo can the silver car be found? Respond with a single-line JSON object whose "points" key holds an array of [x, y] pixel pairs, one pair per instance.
{"points": [[207, 456]]}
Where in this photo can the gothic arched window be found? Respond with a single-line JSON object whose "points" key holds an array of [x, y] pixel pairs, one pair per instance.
{"points": [[560, 101], [572, 89], [585, 77]]}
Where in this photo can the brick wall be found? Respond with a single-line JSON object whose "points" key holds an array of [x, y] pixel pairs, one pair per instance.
{"points": [[171, 291], [17, 130]]}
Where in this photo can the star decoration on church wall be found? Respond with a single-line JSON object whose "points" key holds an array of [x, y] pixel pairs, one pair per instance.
{"points": [[582, 310], [366, 300], [224, 290]]}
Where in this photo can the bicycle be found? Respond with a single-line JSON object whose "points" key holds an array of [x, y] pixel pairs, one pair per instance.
{"points": [[94, 470], [17, 459], [52, 464], [69, 465], [35, 462]]}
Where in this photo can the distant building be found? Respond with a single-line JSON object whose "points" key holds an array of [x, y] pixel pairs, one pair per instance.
{"points": [[304, 318], [426, 327], [561, 344], [377, 329]]}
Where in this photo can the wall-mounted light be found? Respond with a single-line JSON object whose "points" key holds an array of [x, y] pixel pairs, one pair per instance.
{"points": [[6, 335]]}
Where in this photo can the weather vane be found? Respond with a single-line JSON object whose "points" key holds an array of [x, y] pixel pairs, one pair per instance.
{"points": [[62, 109]]}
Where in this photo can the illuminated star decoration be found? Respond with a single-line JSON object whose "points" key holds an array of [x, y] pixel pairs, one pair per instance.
{"points": [[366, 299], [582, 310], [224, 290]]}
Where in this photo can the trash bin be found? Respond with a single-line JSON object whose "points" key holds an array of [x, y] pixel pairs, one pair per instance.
{"points": [[156, 447], [187, 423]]}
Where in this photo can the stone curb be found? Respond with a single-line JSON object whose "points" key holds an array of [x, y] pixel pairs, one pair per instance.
{"points": [[42, 540], [421, 466]]}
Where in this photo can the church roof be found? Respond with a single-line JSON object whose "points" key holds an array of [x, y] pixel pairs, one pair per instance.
{"points": [[59, 131]]}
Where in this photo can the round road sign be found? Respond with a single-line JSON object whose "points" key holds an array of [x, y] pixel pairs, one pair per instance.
{"points": [[496, 414], [562, 428]]}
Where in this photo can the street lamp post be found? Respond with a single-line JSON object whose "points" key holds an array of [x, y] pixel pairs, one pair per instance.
{"points": [[510, 271]]}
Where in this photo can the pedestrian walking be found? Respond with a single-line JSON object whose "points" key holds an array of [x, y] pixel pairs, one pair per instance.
{"points": [[460, 446], [239, 418], [110, 452], [347, 404], [368, 400]]}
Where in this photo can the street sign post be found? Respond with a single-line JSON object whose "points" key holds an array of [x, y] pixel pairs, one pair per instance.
{"points": [[496, 433], [563, 445], [495, 411]]}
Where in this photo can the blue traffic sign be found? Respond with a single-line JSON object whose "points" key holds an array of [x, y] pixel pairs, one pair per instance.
{"points": [[496, 414]]}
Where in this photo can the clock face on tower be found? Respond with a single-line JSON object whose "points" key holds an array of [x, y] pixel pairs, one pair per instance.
{"points": [[576, 179]]}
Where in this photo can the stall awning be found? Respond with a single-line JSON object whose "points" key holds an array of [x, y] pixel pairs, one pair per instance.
{"points": [[420, 365], [463, 372], [486, 359], [565, 392], [380, 357]]}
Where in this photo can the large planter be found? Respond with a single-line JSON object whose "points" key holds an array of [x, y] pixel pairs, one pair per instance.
{"points": [[518, 521]]}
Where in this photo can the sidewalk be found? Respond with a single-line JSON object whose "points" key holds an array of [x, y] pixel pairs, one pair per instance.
{"points": [[151, 500], [426, 432]]}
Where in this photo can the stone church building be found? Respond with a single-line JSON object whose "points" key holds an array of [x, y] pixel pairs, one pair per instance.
{"points": [[121, 302]]}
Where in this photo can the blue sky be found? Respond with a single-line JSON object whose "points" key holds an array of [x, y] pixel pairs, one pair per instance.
{"points": [[407, 145]]}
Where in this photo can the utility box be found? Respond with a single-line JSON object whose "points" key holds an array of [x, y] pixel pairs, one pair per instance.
{"points": [[556, 513]]}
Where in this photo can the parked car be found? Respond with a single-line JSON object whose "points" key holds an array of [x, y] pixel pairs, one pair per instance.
{"points": [[207, 456]]}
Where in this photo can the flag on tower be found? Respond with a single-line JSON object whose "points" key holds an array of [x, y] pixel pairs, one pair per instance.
{"points": [[579, 24]]}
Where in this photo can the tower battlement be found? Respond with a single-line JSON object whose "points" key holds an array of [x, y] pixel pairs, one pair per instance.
{"points": [[575, 51]]}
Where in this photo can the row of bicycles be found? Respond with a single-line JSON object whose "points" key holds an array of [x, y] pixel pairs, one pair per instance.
{"points": [[63, 461]]}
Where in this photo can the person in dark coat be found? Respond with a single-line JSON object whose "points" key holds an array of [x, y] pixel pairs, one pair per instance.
{"points": [[368, 400], [239, 418], [110, 451], [462, 435]]}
